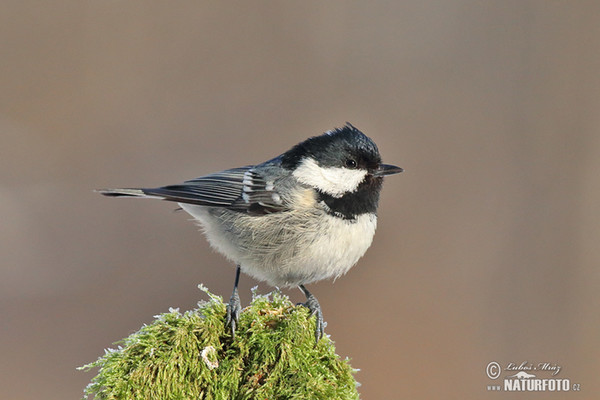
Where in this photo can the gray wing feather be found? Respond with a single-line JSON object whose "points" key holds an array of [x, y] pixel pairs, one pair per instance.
{"points": [[240, 189]]}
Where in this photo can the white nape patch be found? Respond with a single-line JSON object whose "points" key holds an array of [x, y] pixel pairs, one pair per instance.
{"points": [[334, 181]]}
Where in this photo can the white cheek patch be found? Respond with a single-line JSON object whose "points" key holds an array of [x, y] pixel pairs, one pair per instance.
{"points": [[334, 181]]}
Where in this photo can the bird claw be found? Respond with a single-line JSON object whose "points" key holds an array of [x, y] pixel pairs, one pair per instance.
{"points": [[315, 309], [234, 308]]}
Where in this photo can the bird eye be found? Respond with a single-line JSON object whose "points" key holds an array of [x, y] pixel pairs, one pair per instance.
{"points": [[350, 163]]}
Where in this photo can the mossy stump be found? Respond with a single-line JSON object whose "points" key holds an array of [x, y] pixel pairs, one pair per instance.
{"points": [[192, 356]]}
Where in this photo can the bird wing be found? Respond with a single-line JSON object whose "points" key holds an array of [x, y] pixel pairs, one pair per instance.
{"points": [[240, 189]]}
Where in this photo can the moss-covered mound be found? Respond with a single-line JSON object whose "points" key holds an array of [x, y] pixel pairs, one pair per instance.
{"points": [[192, 356]]}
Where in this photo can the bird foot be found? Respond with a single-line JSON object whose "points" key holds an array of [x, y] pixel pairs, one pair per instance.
{"points": [[234, 308], [315, 309]]}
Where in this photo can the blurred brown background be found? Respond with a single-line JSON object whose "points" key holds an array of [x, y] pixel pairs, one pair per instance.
{"points": [[487, 248]]}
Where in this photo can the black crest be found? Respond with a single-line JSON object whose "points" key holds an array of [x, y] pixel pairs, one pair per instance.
{"points": [[335, 147]]}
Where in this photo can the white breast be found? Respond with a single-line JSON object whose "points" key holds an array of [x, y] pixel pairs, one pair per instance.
{"points": [[340, 244]]}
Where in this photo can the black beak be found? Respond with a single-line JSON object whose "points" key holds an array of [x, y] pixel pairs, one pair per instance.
{"points": [[386, 169]]}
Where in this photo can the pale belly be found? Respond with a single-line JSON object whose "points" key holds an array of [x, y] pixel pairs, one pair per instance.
{"points": [[287, 248]]}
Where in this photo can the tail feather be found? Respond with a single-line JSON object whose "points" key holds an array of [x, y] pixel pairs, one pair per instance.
{"points": [[127, 193]]}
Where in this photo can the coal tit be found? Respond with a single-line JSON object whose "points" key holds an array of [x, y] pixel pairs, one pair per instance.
{"points": [[306, 215]]}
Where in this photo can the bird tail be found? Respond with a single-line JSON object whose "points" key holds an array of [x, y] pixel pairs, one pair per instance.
{"points": [[140, 193]]}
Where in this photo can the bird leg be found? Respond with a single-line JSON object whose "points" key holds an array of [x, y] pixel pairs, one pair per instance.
{"points": [[234, 308], [315, 309]]}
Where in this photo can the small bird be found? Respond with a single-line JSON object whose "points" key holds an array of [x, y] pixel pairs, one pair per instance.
{"points": [[304, 216]]}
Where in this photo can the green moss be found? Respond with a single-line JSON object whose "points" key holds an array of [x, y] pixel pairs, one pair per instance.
{"points": [[192, 356]]}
